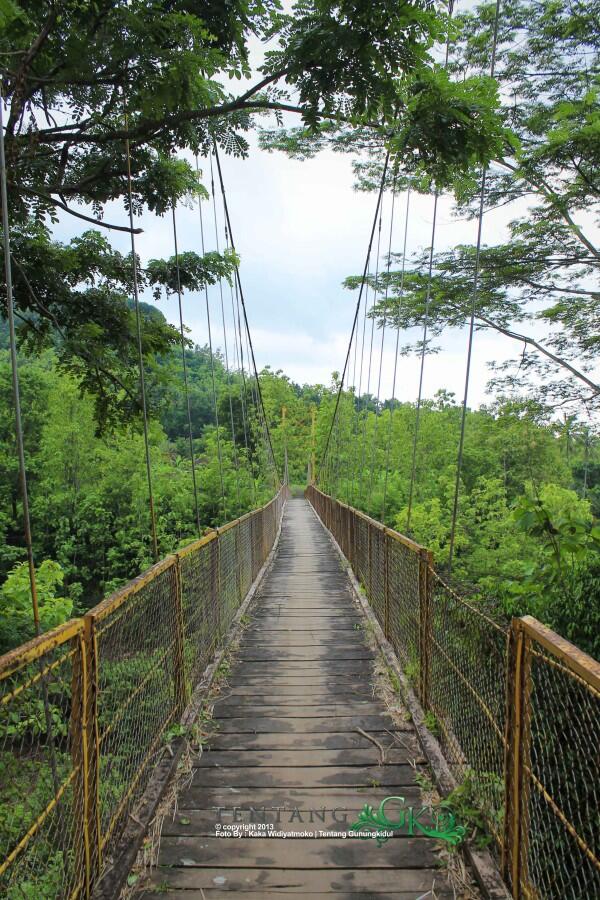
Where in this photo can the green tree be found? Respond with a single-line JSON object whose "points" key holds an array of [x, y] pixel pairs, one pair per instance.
{"points": [[110, 88], [17, 623]]}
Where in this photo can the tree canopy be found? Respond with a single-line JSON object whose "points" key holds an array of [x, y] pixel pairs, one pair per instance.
{"points": [[107, 91], [539, 287]]}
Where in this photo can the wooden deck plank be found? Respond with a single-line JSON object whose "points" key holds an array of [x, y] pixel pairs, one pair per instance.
{"points": [[308, 776], [335, 740], [368, 756], [198, 796], [411, 882], [288, 750], [297, 853]]}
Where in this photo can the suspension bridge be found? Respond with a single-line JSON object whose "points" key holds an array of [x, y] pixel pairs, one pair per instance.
{"points": [[287, 673]]}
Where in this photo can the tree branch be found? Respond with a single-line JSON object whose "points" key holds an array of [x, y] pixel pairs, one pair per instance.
{"points": [[544, 188], [15, 108], [54, 202], [50, 315], [525, 339]]}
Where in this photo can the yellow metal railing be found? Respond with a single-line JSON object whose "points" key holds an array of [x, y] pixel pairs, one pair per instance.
{"points": [[515, 706], [88, 708]]}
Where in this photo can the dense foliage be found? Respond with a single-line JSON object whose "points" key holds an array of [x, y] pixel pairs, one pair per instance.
{"points": [[528, 534], [539, 286], [103, 96], [528, 537]]}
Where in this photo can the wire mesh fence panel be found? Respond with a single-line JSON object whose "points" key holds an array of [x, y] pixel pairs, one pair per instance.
{"points": [[403, 587], [532, 776], [361, 569], [88, 709], [229, 581], [377, 572], [257, 542], [199, 602], [467, 651], [244, 555], [553, 834], [139, 690], [44, 832]]}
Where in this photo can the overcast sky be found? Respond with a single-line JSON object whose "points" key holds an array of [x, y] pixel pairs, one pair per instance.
{"points": [[300, 229]]}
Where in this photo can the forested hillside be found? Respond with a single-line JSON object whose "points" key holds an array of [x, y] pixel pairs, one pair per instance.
{"points": [[527, 537], [529, 488]]}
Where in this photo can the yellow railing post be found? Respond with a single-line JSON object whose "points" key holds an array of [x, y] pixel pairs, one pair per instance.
{"points": [[517, 759], [216, 582], [238, 565], [425, 607], [80, 756], [85, 732]]}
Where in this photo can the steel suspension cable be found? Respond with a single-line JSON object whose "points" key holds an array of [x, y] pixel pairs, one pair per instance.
{"points": [[336, 456], [185, 374], [359, 395], [474, 296], [425, 320], [354, 321], [20, 441], [350, 473], [245, 312], [212, 359], [422, 366], [243, 390], [12, 340], [239, 356], [377, 411], [366, 416], [228, 373], [140, 348], [396, 354], [251, 385]]}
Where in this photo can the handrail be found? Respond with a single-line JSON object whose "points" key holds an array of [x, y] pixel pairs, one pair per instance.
{"points": [[516, 706], [87, 707]]}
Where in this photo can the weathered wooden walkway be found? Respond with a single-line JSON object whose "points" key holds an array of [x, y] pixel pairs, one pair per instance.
{"points": [[287, 739]]}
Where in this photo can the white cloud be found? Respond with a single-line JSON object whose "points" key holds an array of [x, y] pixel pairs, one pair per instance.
{"points": [[300, 229]]}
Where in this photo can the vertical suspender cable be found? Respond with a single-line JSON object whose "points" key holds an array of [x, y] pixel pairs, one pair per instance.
{"points": [[21, 446], [422, 368], [227, 370], [374, 292], [336, 456], [474, 295], [245, 312], [15, 380], [185, 375], [377, 411], [239, 357], [358, 399], [354, 321], [212, 360], [244, 391], [425, 323], [396, 351], [138, 321], [354, 421], [256, 389]]}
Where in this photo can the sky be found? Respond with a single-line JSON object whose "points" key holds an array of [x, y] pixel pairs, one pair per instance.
{"points": [[300, 228]]}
